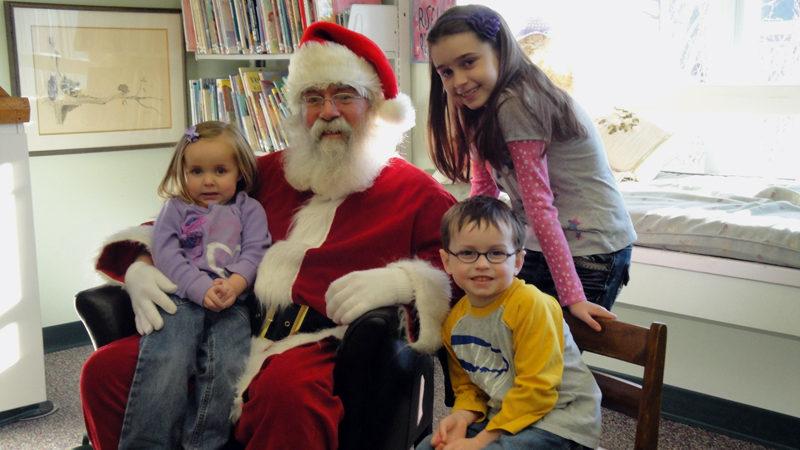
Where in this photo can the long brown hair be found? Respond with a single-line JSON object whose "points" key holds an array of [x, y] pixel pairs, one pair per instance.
{"points": [[452, 130]]}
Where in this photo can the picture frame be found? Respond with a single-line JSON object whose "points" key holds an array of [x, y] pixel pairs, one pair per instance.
{"points": [[98, 78]]}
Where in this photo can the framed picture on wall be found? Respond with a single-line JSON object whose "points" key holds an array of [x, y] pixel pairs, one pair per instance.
{"points": [[98, 78]]}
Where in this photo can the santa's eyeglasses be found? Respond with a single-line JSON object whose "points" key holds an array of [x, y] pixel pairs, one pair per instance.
{"points": [[339, 100]]}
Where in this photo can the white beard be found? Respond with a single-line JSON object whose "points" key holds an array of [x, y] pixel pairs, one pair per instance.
{"points": [[335, 168]]}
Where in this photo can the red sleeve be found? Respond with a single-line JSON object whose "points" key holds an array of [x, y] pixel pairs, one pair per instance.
{"points": [[482, 182], [121, 250]]}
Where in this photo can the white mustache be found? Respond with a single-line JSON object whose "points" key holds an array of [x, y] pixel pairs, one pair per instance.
{"points": [[337, 125]]}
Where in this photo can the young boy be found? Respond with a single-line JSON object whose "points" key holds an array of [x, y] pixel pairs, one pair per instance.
{"points": [[517, 375]]}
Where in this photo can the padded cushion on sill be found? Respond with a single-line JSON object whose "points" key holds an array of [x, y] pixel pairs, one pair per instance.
{"points": [[743, 218]]}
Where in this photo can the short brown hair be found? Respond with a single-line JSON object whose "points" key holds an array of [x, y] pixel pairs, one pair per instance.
{"points": [[479, 210]]}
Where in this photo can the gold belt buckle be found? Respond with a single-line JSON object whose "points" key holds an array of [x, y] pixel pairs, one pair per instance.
{"points": [[267, 321], [298, 321], [270, 317]]}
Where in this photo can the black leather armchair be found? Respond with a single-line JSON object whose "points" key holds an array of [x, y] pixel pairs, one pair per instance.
{"points": [[386, 388]]}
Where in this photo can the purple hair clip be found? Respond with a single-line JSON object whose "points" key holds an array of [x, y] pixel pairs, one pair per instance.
{"points": [[191, 134], [483, 20]]}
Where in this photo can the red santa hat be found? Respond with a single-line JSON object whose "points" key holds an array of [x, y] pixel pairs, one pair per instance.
{"points": [[331, 54]]}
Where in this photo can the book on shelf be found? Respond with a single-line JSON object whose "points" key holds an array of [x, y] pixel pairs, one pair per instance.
{"points": [[189, 34], [310, 14], [225, 101], [226, 27], [271, 125], [208, 99], [211, 25], [324, 10], [254, 26], [194, 101], [297, 21], [257, 102], [199, 24], [274, 111], [276, 18], [268, 26], [243, 115], [253, 19]]}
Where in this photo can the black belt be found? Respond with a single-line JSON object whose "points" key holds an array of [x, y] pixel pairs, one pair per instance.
{"points": [[581, 261], [279, 323]]}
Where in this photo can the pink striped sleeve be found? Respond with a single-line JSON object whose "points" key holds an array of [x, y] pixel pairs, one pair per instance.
{"points": [[482, 182], [537, 198]]}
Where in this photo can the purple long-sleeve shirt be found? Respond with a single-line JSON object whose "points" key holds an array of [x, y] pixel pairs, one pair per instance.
{"points": [[192, 245]]}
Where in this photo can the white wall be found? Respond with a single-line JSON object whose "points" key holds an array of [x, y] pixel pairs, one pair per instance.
{"points": [[420, 91], [78, 200]]}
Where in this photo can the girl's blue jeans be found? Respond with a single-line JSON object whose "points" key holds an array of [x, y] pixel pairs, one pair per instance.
{"points": [[198, 343], [602, 275], [530, 438]]}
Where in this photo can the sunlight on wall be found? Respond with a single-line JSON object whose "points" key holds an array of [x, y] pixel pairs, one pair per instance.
{"points": [[9, 247], [9, 346], [9, 273]]}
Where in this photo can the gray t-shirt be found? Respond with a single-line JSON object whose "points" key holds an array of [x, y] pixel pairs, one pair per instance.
{"points": [[591, 210]]}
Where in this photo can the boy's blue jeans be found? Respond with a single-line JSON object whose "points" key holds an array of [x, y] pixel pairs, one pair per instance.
{"points": [[602, 275], [194, 342], [530, 438]]}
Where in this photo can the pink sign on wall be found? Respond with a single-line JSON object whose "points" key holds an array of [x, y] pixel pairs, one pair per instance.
{"points": [[423, 15]]}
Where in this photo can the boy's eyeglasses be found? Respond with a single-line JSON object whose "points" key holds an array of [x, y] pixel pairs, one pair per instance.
{"points": [[339, 100], [493, 256]]}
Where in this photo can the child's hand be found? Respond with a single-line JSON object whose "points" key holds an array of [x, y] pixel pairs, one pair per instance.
{"points": [[585, 310], [463, 444], [450, 429], [214, 298], [227, 292]]}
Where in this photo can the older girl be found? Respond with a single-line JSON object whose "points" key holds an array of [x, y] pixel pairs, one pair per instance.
{"points": [[495, 112]]}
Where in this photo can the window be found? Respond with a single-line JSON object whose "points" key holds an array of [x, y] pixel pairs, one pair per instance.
{"points": [[724, 75]]}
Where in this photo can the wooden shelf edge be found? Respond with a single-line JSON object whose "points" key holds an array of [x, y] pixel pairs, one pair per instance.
{"points": [[14, 109]]}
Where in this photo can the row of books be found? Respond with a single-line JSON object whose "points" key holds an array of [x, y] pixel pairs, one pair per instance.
{"points": [[231, 27], [254, 99]]}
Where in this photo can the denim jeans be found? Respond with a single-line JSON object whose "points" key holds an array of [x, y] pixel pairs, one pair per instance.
{"points": [[194, 342], [529, 438], [602, 275]]}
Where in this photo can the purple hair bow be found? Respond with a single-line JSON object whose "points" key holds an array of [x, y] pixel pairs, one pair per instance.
{"points": [[483, 20], [191, 134]]}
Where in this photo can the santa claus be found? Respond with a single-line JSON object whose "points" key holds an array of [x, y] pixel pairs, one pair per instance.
{"points": [[355, 227]]}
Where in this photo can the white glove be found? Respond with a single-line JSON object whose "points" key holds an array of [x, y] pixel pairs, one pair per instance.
{"points": [[358, 292], [147, 286]]}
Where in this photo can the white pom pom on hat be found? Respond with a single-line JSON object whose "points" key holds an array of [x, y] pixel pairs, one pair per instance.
{"points": [[330, 54]]}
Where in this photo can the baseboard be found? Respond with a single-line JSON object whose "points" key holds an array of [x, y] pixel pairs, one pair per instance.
{"points": [[65, 336], [745, 422]]}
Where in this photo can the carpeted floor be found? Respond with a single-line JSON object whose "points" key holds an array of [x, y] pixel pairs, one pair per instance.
{"points": [[64, 428]]}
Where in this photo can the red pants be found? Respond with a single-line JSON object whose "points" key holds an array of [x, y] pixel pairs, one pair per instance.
{"points": [[289, 404]]}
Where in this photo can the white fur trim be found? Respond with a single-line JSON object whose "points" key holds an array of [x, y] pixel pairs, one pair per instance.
{"points": [[281, 264], [432, 301], [142, 234], [317, 65], [398, 111], [261, 349]]}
